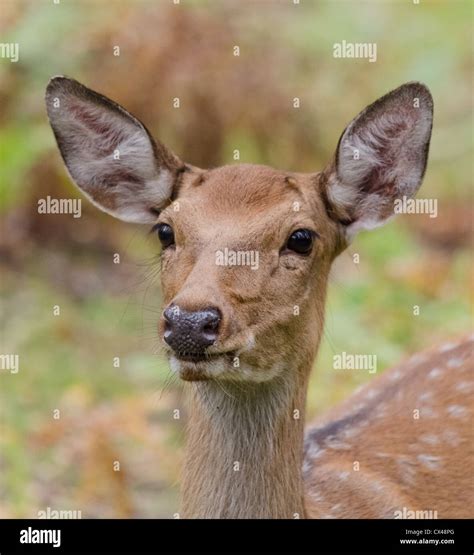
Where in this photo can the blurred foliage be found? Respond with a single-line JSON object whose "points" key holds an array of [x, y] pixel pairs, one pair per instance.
{"points": [[110, 310]]}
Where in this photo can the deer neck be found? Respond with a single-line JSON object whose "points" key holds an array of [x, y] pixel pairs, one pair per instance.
{"points": [[245, 449]]}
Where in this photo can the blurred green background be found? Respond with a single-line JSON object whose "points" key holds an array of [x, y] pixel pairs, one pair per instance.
{"points": [[107, 310]]}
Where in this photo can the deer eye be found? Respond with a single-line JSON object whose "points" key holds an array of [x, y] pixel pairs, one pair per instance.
{"points": [[165, 234], [301, 241]]}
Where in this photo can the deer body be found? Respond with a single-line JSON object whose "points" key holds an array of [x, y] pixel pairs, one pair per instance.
{"points": [[245, 337], [404, 441]]}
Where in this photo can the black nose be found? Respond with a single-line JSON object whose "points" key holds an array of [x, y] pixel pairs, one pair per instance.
{"points": [[189, 333]]}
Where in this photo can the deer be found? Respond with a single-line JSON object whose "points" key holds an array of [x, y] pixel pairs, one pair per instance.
{"points": [[244, 337]]}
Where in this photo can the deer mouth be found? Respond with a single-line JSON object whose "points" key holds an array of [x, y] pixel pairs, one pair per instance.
{"points": [[198, 366], [195, 357]]}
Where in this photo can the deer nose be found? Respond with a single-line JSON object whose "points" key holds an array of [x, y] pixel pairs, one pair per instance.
{"points": [[189, 333]]}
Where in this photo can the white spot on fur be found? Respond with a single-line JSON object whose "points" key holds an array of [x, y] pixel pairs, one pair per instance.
{"points": [[394, 376], [417, 359], [424, 397], [447, 347], [351, 432], [430, 462], [434, 374], [316, 495], [407, 469], [457, 411], [451, 437], [431, 439], [371, 394], [455, 362], [464, 387], [333, 442], [376, 485]]}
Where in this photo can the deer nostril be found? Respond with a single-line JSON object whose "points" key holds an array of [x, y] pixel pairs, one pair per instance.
{"points": [[170, 319], [211, 319], [211, 327], [209, 333], [167, 329]]}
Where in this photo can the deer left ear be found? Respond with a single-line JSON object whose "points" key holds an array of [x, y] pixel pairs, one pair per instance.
{"points": [[381, 157]]}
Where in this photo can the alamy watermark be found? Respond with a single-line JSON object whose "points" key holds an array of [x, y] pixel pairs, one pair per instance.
{"points": [[229, 257], [54, 514], [32, 535], [406, 205], [405, 513], [50, 205], [367, 50], [348, 361], [10, 50], [10, 362]]}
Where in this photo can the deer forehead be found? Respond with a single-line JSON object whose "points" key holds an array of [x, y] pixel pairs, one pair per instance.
{"points": [[247, 200]]}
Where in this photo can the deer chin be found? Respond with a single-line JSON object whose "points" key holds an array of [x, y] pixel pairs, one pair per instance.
{"points": [[221, 367]]}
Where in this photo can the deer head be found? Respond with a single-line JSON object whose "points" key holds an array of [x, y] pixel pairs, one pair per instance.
{"points": [[246, 249], [246, 254]]}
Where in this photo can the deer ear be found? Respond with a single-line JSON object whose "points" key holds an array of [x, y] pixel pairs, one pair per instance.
{"points": [[381, 157], [110, 154]]}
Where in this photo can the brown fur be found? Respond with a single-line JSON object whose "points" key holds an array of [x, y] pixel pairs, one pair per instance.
{"points": [[417, 460]]}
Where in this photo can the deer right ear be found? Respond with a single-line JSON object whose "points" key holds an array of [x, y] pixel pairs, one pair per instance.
{"points": [[381, 157], [109, 153]]}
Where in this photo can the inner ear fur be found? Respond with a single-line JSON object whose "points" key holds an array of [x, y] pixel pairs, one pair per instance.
{"points": [[381, 157], [109, 153]]}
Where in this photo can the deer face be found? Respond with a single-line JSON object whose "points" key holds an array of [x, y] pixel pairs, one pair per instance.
{"points": [[246, 249]]}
